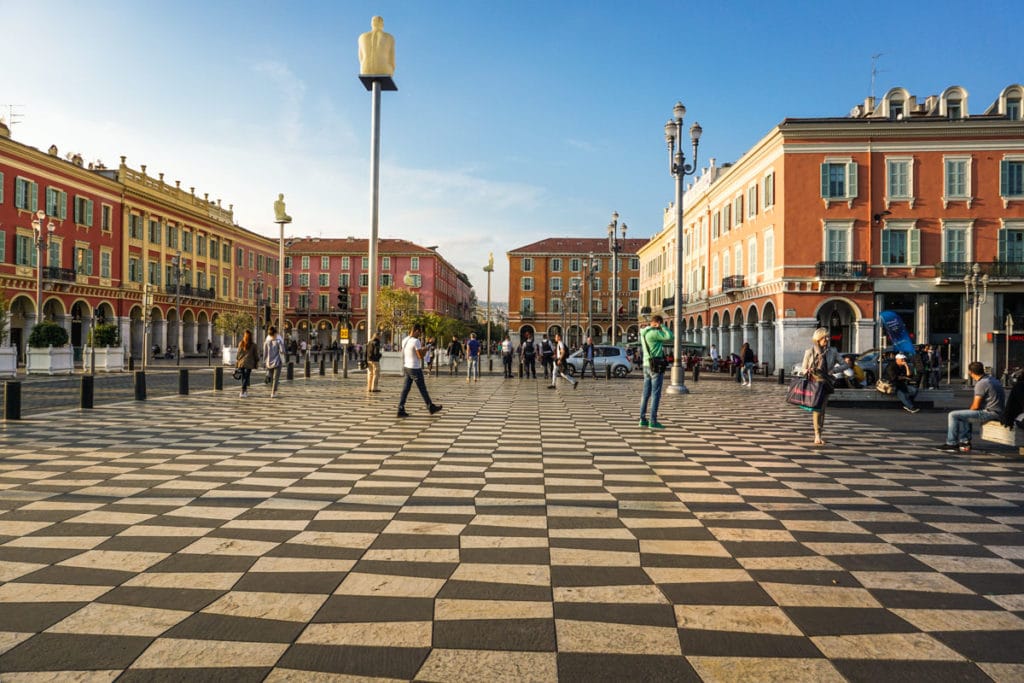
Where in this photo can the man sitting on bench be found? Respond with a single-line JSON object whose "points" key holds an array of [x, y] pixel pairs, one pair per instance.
{"points": [[988, 404]]}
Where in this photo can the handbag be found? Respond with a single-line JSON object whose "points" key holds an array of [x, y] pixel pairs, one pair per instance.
{"points": [[237, 374], [658, 364], [805, 392], [884, 386]]}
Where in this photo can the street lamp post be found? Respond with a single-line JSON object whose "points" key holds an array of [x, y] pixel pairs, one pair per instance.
{"points": [[679, 169], [489, 268], [259, 305], [282, 218], [591, 266], [42, 236], [615, 246], [147, 297], [177, 263], [309, 306], [976, 287]]}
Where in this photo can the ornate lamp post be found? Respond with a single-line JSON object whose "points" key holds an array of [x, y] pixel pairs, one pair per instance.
{"points": [[489, 269], [178, 264], [309, 306], [615, 246], [147, 302], [590, 266], [281, 218], [42, 237], [679, 169], [259, 305], [976, 288]]}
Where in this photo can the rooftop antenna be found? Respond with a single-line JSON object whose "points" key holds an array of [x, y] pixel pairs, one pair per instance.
{"points": [[13, 116], [875, 71]]}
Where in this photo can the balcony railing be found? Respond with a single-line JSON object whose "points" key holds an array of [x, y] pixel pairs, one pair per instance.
{"points": [[842, 270], [956, 270], [190, 291], [59, 274], [526, 314], [732, 282]]}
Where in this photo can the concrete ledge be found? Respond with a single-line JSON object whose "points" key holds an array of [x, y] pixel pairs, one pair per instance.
{"points": [[995, 432], [869, 398]]}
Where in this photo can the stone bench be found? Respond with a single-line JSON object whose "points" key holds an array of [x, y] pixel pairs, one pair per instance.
{"points": [[995, 432], [869, 398]]}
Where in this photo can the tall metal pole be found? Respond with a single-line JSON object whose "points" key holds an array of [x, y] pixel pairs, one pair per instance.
{"points": [[590, 295], [489, 268], [371, 294], [177, 307]]}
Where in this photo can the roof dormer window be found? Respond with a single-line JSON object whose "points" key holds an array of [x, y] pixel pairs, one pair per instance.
{"points": [[1013, 108], [896, 109]]}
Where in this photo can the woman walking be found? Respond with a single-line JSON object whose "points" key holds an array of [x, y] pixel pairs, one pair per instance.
{"points": [[747, 371], [818, 361], [273, 353], [248, 357]]}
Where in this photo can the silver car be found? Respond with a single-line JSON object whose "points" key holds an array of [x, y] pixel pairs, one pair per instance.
{"points": [[604, 356]]}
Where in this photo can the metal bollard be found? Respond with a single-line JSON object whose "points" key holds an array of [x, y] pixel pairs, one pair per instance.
{"points": [[322, 369], [344, 366], [12, 400], [218, 379], [782, 376], [291, 372], [86, 392], [696, 372], [520, 368], [335, 365], [607, 372], [140, 385], [305, 367], [183, 381], [131, 363]]}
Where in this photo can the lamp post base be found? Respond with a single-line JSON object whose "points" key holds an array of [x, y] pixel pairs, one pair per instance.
{"points": [[677, 385]]}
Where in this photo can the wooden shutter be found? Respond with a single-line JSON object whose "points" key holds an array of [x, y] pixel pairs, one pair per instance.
{"points": [[914, 247], [851, 179], [824, 181], [1004, 183]]}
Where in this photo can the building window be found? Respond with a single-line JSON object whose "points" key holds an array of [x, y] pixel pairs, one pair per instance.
{"points": [[385, 263], [556, 265], [200, 245], [304, 280], [186, 242], [134, 270], [769, 190], [769, 251], [24, 251], [343, 279], [225, 287], [899, 179], [634, 263], [105, 257], [325, 263], [1013, 108], [1011, 244], [225, 253], [287, 279], [575, 265], [54, 260], [154, 273], [838, 237], [838, 181], [954, 109], [324, 279], [954, 242], [83, 260], [737, 209], [415, 280], [958, 180], [716, 222], [106, 218], [751, 201], [526, 284], [172, 236], [26, 194], [901, 245], [751, 256], [83, 211], [1011, 178], [726, 265], [240, 257], [726, 218], [305, 263], [556, 284], [555, 305], [596, 285], [386, 280], [155, 230], [346, 263], [365, 263], [896, 109], [634, 284], [414, 263], [57, 203], [260, 262], [362, 301], [364, 279], [287, 262], [1, 188], [527, 306], [527, 265]]}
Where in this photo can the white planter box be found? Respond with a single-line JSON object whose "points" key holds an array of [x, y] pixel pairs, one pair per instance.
{"points": [[108, 359], [229, 354], [8, 361], [51, 361]]}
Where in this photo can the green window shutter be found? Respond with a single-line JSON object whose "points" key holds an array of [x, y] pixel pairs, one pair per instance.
{"points": [[914, 238], [3, 246], [824, 181], [78, 211], [88, 261], [51, 201], [62, 208], [885, 247], [1004, 179], [20, 193], [851, 179], [1002, 243], [88, 212], [33, 197]]}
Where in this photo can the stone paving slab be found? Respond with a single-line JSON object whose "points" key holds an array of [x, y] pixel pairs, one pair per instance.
{"points": [[521, 535]]}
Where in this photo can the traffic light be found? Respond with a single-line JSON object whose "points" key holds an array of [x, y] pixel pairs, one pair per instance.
{"points": [[266, 313], [343, 298]]}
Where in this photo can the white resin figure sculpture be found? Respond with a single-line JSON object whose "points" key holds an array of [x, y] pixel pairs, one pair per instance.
{"points": [[279, 214], [377, 51]]}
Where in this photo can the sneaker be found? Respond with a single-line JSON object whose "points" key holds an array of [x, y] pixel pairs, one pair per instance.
{"points": [[575, 384], [964, 447], [551, 386], [402, 413], [656, 425], [434, 408], [644, 423], [911, 410], [947, 447], [242, 394]]}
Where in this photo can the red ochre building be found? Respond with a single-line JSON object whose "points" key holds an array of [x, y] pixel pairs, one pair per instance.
{"points": [[830, 221]]}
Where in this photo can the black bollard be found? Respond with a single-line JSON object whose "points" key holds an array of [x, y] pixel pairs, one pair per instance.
{"points": [[696, 372], [306, 367], [322, 368], [86, 393], [520, 368], [607, 372], [291, 372], [140, 385], [131, 363], [782, 376], [218, 378], [183, 381], [334, 365], [12, 400]]}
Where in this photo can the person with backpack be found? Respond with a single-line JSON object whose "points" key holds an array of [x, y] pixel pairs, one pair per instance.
{"points": [[373, 356], [560, 361], [273, 352], [547, 357], [473, 358], [588, 359], [454, 354], [506, 356], [528, 355]]}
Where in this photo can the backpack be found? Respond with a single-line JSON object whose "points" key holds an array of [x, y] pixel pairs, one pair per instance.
{"points": [[373, 352], [545, 348], [528, 350]]}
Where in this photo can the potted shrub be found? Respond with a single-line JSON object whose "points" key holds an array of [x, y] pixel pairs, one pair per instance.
{"points": [[8, 354], [234, 324], [48, 352], [106, 344]]}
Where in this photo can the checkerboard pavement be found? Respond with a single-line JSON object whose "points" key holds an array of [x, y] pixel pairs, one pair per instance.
{"points": [[520, 535]]}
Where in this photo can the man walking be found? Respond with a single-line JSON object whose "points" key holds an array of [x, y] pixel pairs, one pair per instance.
{"points": [[273, 355], [528, 352], [506, 356], [454, 354], [547, 357], [560, 360], [588, 359], [412, 363], [988, 404], [473, 355]]}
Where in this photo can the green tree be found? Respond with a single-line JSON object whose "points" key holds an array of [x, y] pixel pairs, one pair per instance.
{"points": [[396, 310], [5, 318], [234, 324]]}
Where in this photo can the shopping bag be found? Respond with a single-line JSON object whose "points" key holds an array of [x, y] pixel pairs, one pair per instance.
{"points": [[805, 392]]}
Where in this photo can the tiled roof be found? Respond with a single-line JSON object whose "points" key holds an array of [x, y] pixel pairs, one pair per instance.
{"points": [[577, 245], [353, 245]]}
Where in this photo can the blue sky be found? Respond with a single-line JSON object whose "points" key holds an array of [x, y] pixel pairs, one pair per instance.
{"points": [[513, 121]]}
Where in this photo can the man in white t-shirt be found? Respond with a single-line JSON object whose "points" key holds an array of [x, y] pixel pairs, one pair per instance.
{"points": [[412, 364]]}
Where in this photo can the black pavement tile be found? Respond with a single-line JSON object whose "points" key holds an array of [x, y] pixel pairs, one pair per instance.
{"points": [[321, 583], [359, 609], [584, 523], [480, 590], [430, 570], [618, 613], [484, 530], [897, 527], [534, 635], [267, 535], [843, 621], [887, 562], [990, 584], [874, 670], [986, 646], [319, 552], [359, 526], [957, 549], [614, 668], [904, 599], [408, 541], [381, 662], [569, 576], [810, 577], [688, 561], [79, 529], [610, 545], [505, 555], [680, 533], [235, 674], [224, 627], [733, 644], [73, 652], [79, 576], [767, 549], [37, 555], [717, 593], [276, 514], [193, 562], [161, 598], [33, 617], [146, 544]]}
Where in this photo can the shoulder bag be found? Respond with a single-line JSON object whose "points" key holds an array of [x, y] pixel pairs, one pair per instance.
{"points": [[805, 392], [658, 364], [884, 386]]}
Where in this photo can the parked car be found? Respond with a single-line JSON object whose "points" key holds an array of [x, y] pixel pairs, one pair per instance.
{"points": [[604, 356], [870, 363]]}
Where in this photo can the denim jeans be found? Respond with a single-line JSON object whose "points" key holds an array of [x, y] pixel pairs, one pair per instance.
{"points": [[474, 367], [748, 373], [906, 397], [652, 392], [246, 374], [958, 428], [413, 375], [276, 377]]}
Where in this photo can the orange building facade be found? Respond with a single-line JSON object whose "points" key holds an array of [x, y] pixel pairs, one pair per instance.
{"points": [[827, 222]]}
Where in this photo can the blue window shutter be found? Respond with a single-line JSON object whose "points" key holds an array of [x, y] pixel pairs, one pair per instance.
{"points": [[851, 179], [1002, 243], [885, 247], [824, 181], [914, 238]]}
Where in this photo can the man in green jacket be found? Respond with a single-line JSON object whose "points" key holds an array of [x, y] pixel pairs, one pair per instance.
{"points": [[652, 339]]}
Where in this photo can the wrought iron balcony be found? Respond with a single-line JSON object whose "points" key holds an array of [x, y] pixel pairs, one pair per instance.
{"points": [[957, 270], [732, 282], [646, 310], [190, 291], [526, 314], [842, 270], [59, 274]]}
